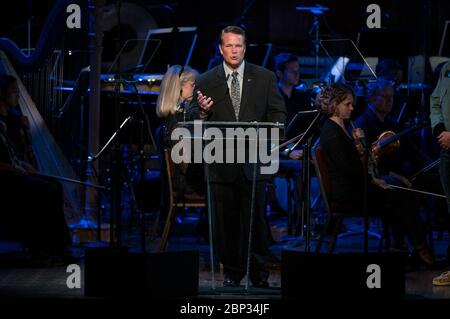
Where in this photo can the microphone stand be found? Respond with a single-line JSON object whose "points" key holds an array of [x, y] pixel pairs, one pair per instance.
{"points": [[306, 138], [365, 200], [142, 160], [115, 194], [116, 211], [317, 11]]}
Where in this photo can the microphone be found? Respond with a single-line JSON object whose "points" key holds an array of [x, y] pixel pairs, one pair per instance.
{"points": [[181, 106]]}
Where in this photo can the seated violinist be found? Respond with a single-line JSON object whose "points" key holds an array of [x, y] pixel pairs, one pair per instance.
{"points": [[376, 120], [347, 171], [31, 206]]}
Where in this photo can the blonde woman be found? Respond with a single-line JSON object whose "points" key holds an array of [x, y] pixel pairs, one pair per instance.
{"points": [[176, 93]]}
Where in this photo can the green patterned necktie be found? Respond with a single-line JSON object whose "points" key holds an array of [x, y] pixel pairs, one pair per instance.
{"points": [[235, 93]]}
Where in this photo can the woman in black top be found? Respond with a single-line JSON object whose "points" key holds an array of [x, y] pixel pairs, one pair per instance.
{"points": [[176, 93], [347, 172]]}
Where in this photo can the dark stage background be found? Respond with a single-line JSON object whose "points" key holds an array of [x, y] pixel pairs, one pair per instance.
{"points": [[408, 27]]}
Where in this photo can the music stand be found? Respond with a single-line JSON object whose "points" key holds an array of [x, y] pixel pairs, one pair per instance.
{"points": [[123, 78], [176, 47], [300, 121], [223, 126], [148, 49], [304, 139], [347, 62]]}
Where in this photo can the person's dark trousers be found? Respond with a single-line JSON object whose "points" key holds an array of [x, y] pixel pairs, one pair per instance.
{"points": [[231, 207], [444, 172], [399, 207]]}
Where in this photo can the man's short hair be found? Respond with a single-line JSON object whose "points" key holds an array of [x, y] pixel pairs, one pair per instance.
{"points": [[233, 29], [387, 67], [378, 86], [281, 59]]}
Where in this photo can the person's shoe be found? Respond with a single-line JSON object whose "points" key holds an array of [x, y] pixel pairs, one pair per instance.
{"points": [[423, 256], [426, 257], [442, 280]]}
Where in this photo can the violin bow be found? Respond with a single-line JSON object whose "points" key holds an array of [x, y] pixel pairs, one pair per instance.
{"points": [[70, 180], [425, 169], [416, 191]]}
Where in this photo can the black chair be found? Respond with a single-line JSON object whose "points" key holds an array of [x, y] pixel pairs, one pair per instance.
{"points": [[336, 213], [176, 200]]}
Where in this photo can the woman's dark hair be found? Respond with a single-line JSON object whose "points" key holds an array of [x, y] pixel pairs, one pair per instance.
{"points": [[331, 96]]}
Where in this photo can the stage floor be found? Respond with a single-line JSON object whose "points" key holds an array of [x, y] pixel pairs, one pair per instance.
{"points": [[18, 279]]}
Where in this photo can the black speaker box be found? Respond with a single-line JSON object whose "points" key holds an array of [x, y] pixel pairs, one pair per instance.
{"points": [[313, 275], [115, 272]]}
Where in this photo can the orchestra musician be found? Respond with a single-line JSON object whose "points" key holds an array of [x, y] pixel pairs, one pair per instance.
{"points": [[404, 157], [177, 88], [287, 69], [32, 206], [375, 120], [346, 170]]}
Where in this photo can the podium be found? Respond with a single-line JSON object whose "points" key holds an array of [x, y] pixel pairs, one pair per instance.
{"points": [[251, 138]]}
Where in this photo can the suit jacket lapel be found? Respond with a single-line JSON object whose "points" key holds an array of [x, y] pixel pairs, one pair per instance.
{"points": [[247, 89]]}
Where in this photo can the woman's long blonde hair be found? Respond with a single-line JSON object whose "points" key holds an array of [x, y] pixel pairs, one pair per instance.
{"points": [[170, 93]]}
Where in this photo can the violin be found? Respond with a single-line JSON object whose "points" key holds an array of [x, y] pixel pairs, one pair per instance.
{"points": [[388, 142]]}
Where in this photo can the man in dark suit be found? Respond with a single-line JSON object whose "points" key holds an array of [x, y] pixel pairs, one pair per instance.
{"points": [[239, 91]]}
